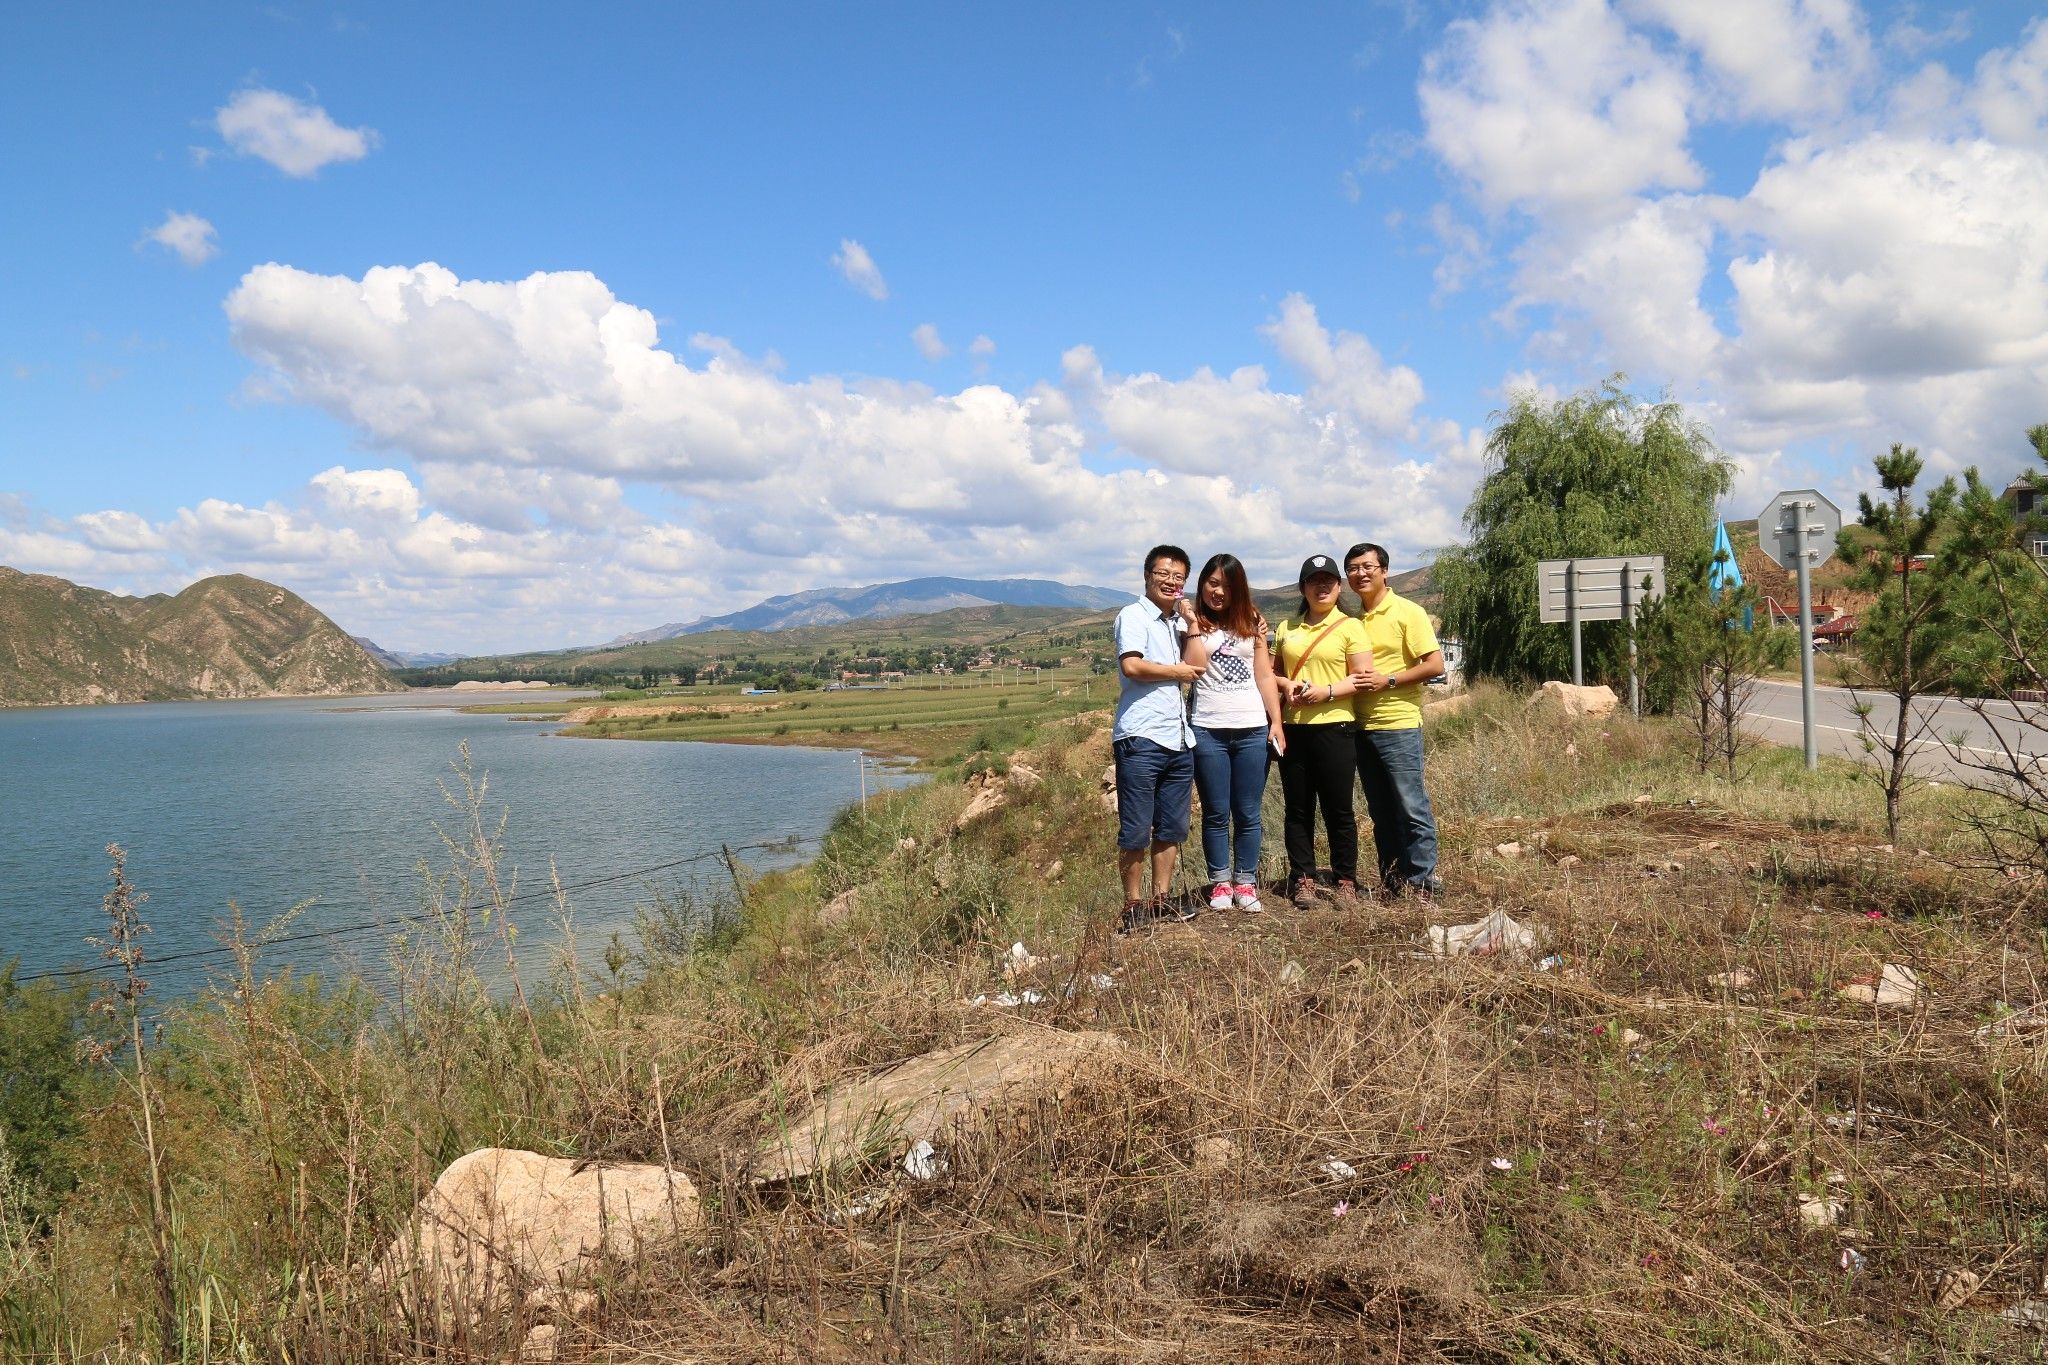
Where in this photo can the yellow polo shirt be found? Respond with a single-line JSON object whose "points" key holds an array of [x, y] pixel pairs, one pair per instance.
{"points": [[1325, 662], [1399, 635]]}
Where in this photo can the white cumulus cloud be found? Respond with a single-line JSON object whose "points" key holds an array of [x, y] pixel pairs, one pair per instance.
{"points": [[859, 269], [187, 236], [296, 137], [929, 343], [1557, 103]]}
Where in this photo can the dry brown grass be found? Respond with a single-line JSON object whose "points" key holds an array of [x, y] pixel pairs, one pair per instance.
{"points": [[1658, 1131]]}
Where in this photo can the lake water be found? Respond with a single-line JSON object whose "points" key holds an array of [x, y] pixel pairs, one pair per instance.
{"points": [[273, 803]]}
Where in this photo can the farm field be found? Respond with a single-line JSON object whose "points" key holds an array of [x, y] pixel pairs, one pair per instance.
{"points": [[932, 722]]}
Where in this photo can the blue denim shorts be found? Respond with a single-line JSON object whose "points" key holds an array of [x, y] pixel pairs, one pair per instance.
{"points": [[1154, 789]]}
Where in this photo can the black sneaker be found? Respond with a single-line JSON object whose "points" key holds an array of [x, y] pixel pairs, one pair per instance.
{"points": [[1142, 915]]}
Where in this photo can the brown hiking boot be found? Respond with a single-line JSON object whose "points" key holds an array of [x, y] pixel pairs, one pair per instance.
{"points": [[1304, 894]]}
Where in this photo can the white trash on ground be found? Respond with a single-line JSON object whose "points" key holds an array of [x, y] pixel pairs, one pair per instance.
{"points": [[1497, 933], [1338, 1169], [1819, 1211], [922, 1161], [1896, 985], [1009, 1000], [2030, 1313]]}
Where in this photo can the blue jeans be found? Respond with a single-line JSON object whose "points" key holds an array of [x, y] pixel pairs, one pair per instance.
{"points": [[1403, 827], [1153, 784], [1230, 773]]}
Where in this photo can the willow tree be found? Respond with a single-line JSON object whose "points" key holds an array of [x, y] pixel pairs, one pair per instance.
{"points": [[1600, 472]]}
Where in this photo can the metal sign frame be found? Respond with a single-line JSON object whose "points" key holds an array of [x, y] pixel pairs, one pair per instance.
{"points": [[1606, 589], [1781, 535], [1599, 588], [1797, 529]]}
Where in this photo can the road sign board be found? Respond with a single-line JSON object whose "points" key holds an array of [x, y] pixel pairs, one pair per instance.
{"points": [[1603, 586], [1797, 529], [1798, 519]]}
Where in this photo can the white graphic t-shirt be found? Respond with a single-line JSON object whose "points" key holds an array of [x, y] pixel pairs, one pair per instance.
{"points": [[1227, 694]]}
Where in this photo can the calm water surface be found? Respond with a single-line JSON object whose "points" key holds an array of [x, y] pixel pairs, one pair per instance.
{"points": [[272, 803]]}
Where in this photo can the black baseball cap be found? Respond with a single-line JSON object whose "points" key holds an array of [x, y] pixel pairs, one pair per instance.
{"points": [[1314, 565]]}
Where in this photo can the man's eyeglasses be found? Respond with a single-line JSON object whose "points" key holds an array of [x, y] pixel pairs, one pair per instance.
{"points": [[1364, 567], [1171, 579]]}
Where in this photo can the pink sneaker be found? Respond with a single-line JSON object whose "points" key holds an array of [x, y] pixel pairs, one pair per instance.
{"points": [[1246, 898], [1219, 896]]}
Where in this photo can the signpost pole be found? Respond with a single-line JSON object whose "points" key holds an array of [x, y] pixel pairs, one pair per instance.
{"points": [[1628, 614], [1797, 510], [1571, 612]]}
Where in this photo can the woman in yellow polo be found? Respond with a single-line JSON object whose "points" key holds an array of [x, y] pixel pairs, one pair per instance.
{"points": [[1315, 653]]}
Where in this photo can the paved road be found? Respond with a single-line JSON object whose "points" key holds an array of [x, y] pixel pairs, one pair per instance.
{"points": [[1774, 715]]}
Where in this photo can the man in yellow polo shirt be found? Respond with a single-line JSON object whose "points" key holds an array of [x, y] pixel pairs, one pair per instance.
{"points": [[1405, 656]]}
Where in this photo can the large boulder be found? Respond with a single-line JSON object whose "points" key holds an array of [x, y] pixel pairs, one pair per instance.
{"points": [[925, 1098], [1577, 703], [500, 1224]]}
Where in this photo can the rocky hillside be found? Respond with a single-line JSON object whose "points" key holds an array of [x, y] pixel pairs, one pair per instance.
{"points": [[232, 636]]}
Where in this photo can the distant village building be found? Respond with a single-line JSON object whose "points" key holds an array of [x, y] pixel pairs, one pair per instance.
{"points": [[2021, 497]]}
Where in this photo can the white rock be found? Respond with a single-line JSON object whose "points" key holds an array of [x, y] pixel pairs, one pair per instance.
{"points": [[1577, 702], [1818, 1211], [500, 1221], [1955, 1288], [926, 1097]]}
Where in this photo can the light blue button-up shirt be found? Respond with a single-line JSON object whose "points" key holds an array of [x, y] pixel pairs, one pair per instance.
{"points": [[1150, 710]]}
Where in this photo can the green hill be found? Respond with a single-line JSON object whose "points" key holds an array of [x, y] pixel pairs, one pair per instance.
{"points": [[62, 643]]}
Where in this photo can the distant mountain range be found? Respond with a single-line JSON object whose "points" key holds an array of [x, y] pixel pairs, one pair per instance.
{"points": [[231, 636], [391, 658], [912, 597]]}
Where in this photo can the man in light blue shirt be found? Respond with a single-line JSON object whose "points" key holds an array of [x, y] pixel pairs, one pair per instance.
{"points": [[1153, 741]]}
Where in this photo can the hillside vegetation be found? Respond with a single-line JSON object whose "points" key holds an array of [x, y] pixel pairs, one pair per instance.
{"points": [[1041, 635], [229, 636], [1667, 1134]]}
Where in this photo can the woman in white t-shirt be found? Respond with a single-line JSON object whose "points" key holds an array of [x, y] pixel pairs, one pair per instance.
{"points": [[1235, 709]]}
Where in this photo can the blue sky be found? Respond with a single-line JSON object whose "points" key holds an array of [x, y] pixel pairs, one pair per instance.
{"points": [[521, 332]]}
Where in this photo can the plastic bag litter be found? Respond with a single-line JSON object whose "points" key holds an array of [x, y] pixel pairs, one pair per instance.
{"points": [[1497, 933], [922, 1162], [1018, 961], [1338, 1169], [2030, 1313], [1291, 973], [1009, 1000], [2020, 1023]]}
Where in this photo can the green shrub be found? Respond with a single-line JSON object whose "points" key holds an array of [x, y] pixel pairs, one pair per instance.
{"points": [[42, 1082]]}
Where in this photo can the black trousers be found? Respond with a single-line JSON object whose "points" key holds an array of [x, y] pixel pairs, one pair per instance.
{"points": [[1318, 769]]}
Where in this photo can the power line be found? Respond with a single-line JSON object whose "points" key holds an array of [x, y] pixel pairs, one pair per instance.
{"points": [[365, 926]]}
